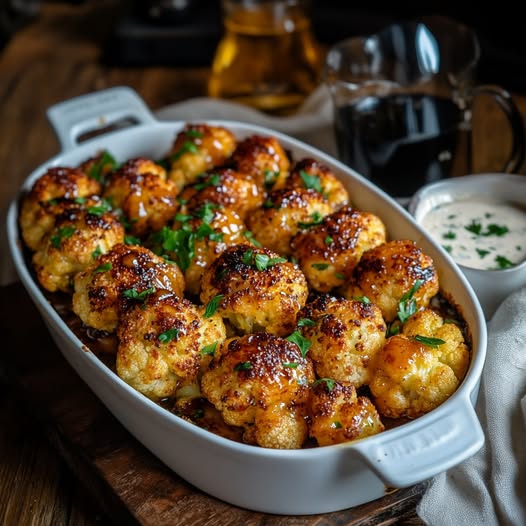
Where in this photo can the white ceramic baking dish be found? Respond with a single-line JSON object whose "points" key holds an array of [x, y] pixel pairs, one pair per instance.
{"points": [[306, 481]]}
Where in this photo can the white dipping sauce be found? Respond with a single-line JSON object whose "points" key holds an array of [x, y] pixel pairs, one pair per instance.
{"points": [[479, 232]]}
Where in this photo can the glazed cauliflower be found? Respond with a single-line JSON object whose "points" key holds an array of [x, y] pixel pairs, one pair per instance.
{"points": [[161, 342], [196, 149], [344, 336], [309, 173], [196, 239], [453, 351], [397, 276], [75, 241], [264, 159], [59, 183], [328, 252], [119, 279], [223, 187], [409, 379], [338, 414], [255, 289], [147, 200], [261, 382], [283, 214]]}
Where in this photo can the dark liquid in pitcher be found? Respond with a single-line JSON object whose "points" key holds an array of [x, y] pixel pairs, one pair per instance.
{"points": [[400, 142]]}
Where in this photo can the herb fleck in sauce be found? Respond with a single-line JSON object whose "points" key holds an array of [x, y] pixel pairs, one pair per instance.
{"points": [[479, 232]]}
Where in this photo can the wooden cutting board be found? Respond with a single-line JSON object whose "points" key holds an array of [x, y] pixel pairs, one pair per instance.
{"points": [[131, 484]]}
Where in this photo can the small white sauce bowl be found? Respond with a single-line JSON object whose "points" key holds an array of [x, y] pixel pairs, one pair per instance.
{"points": [[490, 286]]}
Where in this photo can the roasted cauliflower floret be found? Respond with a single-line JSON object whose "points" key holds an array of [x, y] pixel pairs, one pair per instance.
{"points": [[452, 349], [60, 183], [328, 252], [77, 239], [261, 382], [196, 149], [255, 289], [397, 276], [409, 379], [146, 199], [196, 239], [283, 214], [309, 173], [344, 337], [338, 414], [124, 276], [161, 342], [223, 187], [264, 159], [99, 166]]}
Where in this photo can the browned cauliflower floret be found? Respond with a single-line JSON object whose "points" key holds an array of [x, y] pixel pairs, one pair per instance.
{"points": [[161, 342], [196, 149], [119, 279], [99, 166], [77, 239], [256, 289], [196, 239], [328, 252], [408, 378], [224, 187], [452, 349], [264, 159], [147, 200], [261, 382], [338, 414], [309, 173], [345, 335], [397, 276], [62, 183], [283, 214]]}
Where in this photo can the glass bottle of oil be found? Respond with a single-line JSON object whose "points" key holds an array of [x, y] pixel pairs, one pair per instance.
{"points": [[268, 57]]}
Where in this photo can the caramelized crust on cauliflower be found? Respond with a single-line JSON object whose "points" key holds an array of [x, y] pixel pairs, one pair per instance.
{"points": [[196, 239], [255, 289], [261, 383], [74, 242], [309, 173], [328, 252], [387, 273], [140, 190], [453, 351], [223, 187], [119, 279], [283, 214], [338, 414], [196, 149], [160, 344], [264, 159], [409, 379], [345, 335], [56, 183]]}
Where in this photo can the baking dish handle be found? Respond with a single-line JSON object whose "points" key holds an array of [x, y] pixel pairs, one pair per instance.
{"points": [[404, 458], [96, 112]]}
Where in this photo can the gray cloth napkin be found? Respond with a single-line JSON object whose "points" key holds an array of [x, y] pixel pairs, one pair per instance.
{"points": [[490, 487]]}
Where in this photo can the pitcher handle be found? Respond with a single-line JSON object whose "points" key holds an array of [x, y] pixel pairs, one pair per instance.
{"points": [[515, 120]]}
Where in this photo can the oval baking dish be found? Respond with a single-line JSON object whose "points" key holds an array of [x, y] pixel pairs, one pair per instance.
{"points": [[305, 481]]}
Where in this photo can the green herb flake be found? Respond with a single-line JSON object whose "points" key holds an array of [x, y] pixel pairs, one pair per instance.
{"points": [[311, 181], [449, 235], [134, 294], [131, 240], [187, 147], [169, 335], [96, 253], [407, 303], [430, 342], [194, 134], [303, 343], [106, 162], [329, 383], [103, 268], [362, 299], [210, 349], [320, 266], [62, 233], [243, 366], [306, 322], [213, 305], [482, 253], [290, 365], [502, 262], [336, 425], [328, 240]]}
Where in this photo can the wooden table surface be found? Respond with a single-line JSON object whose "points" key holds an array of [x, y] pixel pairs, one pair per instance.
{"points": [[57, 57]]}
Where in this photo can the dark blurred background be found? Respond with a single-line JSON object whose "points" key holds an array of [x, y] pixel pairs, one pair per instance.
{"points": [[186, 32]]}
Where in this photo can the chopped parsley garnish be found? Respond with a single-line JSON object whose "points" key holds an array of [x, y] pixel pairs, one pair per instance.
{"points": [[131, 240], [243, 366], [311, 181], [96, 253], [329, 383], [336, 425], [491, 230], [261, 261], [270, 178], [317, 219], [194, 134], [104, 267], [290, 365], [62, 233], [482, 253], [213, 305], [328, 240], [250, 236], [320, 266], [503, 262], [306, 322], [210, 349], [169, 335], [187, 147], [105, 163], [303, 343], [362, 299], [449, 235], [134, 294], [430, 342], [407, 304]]}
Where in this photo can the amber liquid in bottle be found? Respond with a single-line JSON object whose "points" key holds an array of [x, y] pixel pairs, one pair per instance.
{"points": [[268, 58]]}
